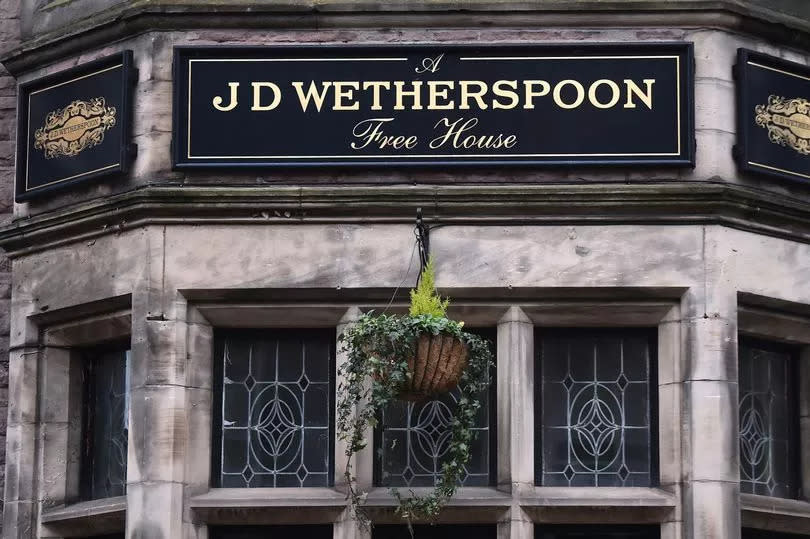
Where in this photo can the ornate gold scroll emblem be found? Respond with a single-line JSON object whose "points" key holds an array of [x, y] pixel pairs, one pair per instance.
{"points": [[75, 128], [787, 122]]}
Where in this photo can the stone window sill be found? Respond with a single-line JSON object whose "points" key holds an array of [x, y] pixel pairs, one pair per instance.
{"points": [[775, 514], [94, 517], [599, 504], [268, 505]]}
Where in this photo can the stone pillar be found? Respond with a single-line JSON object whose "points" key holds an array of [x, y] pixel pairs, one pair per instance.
{"points": [[516, 417], [711, 460], [347, 526], [20, 496], [159, 396]]}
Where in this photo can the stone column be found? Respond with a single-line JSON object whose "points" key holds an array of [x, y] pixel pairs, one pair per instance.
{"points": [[347, 526], [159, 399], [515, 417], [711, 459]]}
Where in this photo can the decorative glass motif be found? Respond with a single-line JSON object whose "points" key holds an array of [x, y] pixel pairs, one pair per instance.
{"points": [[596, 532], [414, 438], [595, 409], [275, 409], [767, 421], [106, 417]]}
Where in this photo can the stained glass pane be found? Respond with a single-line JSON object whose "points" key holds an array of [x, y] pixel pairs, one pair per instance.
{"points": [[750, 533], [414, 439], [274, 409], [596, 532], [107, 409], [467, 531], [594, 408], [767, 420]]}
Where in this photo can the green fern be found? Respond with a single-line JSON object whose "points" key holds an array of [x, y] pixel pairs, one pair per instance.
{"points": [[425, 299]]}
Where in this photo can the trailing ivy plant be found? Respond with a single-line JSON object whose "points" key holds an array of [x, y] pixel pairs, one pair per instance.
{"points": [[378, 349]]}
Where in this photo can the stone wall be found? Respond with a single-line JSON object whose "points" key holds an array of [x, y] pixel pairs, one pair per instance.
{"points": [[9, 38]]}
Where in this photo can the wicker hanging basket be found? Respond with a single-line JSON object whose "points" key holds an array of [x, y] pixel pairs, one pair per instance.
{"points": [[436, 367]]}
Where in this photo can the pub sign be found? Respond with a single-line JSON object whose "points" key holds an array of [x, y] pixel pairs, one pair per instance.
{"points": [[74, 125], [539, 105], [773, 116]]}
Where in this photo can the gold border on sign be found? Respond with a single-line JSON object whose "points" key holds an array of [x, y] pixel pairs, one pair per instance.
{"points": [[768, 167], [466, 58], [28, 131]]}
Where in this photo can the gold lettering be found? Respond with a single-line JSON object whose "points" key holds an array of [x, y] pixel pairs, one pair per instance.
{"points": [[509, 94], [633, 89], [415, 94], [558, 94], [345, 90], [375, 86], [466, 94], [435, 94], [614, 98], [530, 94], [257, 95], [312, 93], [217, 102]]}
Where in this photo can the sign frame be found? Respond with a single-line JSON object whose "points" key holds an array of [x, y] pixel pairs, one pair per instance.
{"points": [[126, 150], [686, 121], [745, 133]]}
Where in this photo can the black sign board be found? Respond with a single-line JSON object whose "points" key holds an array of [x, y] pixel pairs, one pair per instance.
{"points": [[773, 116], [74, 125], [596, 104]]}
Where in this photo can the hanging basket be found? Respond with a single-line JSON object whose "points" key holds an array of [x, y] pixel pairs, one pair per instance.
{"points": [[436, 367]]}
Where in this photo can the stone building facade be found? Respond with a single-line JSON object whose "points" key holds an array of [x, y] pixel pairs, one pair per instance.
{"points": [[145, 289]]}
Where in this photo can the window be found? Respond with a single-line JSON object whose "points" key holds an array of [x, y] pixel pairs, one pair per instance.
{"points": [[768, 419], [595, 411], [321, 531], [470, 531], [596, 532], [273, 410], [105, 414], [749, 533], [414, 438]]}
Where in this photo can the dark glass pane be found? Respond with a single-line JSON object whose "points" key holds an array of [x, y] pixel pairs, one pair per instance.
{"points": [[594, 416], [413, 440], [767, 420], [106, 434], [275, 418], [319, 531], [750, 533], [596, 532], [468, 531]]}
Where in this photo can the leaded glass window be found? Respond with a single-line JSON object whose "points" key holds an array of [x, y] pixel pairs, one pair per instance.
{"points": [[414, 438], [105, 415], [599, 531], [768, 430], [274, 408], [595, 410], [750, 533]]}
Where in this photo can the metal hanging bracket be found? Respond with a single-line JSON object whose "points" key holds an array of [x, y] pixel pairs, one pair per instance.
{"points": [[422, 232]]}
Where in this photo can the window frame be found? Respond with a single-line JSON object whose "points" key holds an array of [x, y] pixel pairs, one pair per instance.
{"points": [[491, 334], [651, 334], [220, 336], [794, 435]]}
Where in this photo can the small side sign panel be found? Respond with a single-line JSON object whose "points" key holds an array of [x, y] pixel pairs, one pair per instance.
{"points": [[773, 116], [74, 126]]}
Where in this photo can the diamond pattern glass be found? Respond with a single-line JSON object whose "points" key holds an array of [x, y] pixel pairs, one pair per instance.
{"points": [[467, 531], [104, 464], [274, 408], [304, 531], [768, 456], [596, 532], [414, 439], [594, 408]]}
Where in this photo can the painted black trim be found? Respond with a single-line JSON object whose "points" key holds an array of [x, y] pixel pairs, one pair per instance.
{"points": [[687, 142], [127, 150]]}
